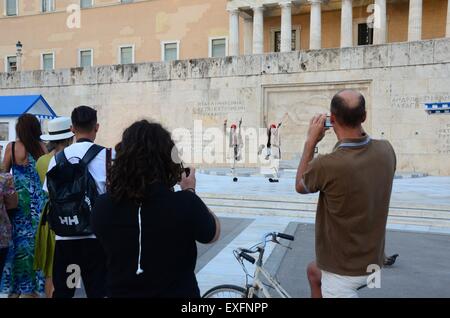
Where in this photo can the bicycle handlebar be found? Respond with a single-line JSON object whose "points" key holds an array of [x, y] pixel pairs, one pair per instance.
{"points": [[247, 257], [285, 236], [248, 251], [262, 245], [243, 253]]}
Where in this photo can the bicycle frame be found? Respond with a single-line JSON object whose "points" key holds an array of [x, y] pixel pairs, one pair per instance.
{"points": [[258, 285], [261, 278]]}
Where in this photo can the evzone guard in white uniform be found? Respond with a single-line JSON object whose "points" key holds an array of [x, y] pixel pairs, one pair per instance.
{"points": [[273, 148], [236, 144], [273, 142]]}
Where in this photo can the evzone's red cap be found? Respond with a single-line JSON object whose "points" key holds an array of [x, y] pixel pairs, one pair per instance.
{"points": [[233, 126], [273, 126]]}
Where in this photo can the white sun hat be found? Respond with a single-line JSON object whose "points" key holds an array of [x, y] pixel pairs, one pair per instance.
{"points": [[58, 129]]}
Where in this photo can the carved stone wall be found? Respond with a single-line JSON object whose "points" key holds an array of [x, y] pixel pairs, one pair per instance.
{"points": [[397, 79]]}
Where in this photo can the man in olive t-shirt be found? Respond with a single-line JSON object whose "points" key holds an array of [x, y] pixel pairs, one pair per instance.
{"points": [[355, 184]]}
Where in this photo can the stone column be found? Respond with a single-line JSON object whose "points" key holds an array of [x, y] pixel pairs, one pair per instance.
{"points": [[19, 61], [248, 36], [234, 32], [347, 23], [315, 32], [415, 20], [447, 33], [286, 26], [379, 31], [258, 30]]}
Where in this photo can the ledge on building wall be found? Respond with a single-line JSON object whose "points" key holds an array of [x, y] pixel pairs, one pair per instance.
{"points": [[362, 57]]}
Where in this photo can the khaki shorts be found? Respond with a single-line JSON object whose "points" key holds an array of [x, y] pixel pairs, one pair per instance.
{"points": [[338, 286]]}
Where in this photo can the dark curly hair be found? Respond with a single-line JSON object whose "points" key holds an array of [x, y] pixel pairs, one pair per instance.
{"points": [[143, 157]]}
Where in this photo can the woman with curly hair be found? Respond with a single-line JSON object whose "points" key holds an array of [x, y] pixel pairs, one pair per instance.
{"points": [[148, 230]]}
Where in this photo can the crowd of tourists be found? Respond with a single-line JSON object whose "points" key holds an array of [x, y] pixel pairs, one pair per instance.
{"points": [[73, 210]]}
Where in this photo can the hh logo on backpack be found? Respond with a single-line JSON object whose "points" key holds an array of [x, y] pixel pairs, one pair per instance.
{"points": [[68, 221], [72, 191]]}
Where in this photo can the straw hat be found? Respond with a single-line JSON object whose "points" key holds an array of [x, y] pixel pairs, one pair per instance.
{"points": [[58, 129]]}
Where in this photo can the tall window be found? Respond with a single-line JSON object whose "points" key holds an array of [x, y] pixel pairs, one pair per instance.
{"points": [[86, 59], [126, 55], [85, 4], [218, 47], [48, 5], [11, 7], [365, 34], [277, 39], [170, 51], [48, 61], [11, 64]]}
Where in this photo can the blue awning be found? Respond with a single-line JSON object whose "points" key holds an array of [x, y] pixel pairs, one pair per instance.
{"points": [[14, 106]]}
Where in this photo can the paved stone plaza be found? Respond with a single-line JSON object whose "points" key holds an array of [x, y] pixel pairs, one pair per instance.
{"points": [[415, 191], [422, 269]]}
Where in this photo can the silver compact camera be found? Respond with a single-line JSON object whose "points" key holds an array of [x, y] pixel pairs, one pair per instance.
{"points": [[328, 123]]}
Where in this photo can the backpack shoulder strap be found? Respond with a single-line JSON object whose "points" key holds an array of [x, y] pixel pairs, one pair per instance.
{"points": [[108, 159], [108, 167], [61, 158], [13, 150], [93, 151]]}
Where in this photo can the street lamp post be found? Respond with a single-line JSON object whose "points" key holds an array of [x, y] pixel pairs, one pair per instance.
{"points": [[19, 56]]}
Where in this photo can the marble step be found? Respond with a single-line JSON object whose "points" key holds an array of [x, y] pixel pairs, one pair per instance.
{"points": [[276, 206], [285, 172], [309, 203]]}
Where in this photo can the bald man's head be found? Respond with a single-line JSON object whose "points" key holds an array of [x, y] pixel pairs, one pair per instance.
{"points": [[349, 108]]}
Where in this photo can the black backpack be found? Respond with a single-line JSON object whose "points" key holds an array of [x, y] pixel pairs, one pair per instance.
{"points": [[72, 191]]}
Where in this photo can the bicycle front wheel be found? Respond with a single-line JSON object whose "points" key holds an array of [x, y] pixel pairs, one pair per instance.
{"points": [[226, 291]]}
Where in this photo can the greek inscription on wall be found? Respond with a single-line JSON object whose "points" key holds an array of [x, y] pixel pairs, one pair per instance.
{"points": [[416, 102], [443, 135], [218, 108]]}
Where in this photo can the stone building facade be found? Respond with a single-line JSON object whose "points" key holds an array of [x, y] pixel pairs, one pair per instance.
{"points": [[108, 32], [397, 79]]}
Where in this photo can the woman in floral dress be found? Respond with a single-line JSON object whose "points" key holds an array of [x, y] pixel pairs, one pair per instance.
{"points": [[19, 279]]}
